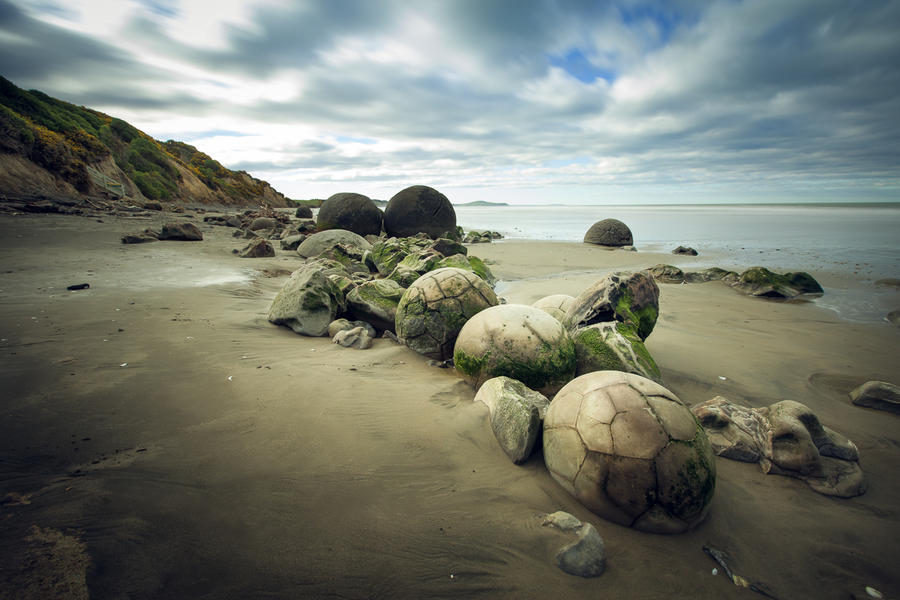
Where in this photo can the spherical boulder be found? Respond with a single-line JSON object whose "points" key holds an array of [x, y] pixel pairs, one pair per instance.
{"points": [[435, 307], [609, 232], [518, 341], [419, 208], [555, 305], [630, 451], [353, 212]]}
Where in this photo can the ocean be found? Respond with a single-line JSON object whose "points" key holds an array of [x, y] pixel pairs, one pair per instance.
{"points": [[859, 241]]}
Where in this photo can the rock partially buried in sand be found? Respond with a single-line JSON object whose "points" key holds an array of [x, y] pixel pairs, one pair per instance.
{"points": [[763, 283], [352, 212], [630, 451], [518, 341], [357, 338], [184, 232], [685, 251], [419, 208], [258, 248], [609, 232], [631, 298], [434, 309], [880, 395], [517, 414], [584, 557], [786, 438], [556, 305]]}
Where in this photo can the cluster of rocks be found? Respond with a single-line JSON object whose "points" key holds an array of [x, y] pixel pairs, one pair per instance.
{"points": [[481, 237], [755, 281], [185, 232], [785, 438]]}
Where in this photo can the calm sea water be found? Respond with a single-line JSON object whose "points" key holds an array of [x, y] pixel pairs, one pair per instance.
{"points": [[861, 241]]}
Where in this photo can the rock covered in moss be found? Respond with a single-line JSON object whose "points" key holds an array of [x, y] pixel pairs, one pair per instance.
{"points": [[555, 305], [630, 451], [419, 208], [469, 263], [518, 341], [435, 307], [323, 241], [763, 283], [307, 303], [376, 302], [350, 211], [711, 274], [785, 438], [877, 394], [609, 232], [613, 346], [630, 298], [387, 254], [414, 265], [517, 414]]}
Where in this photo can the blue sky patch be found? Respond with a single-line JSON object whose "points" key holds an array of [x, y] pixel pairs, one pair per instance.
{"points": [[576, 64]]}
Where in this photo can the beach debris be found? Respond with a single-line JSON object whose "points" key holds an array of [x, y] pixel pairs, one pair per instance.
{"points": [[419, 208], [555, 305], [434, 309], [879, 395], [517, 415], [722, 560], [722, 378], [357, 338], [685, 251], [631, 298], [518, 341], [873, 593], [785, 438], [350, 211], [125, 364], [230, 377], [78, 286], [613, 346], [630, 452], [609, 232]]}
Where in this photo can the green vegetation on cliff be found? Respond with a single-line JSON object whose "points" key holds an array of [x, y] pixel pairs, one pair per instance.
{"points": [[66, 139]]}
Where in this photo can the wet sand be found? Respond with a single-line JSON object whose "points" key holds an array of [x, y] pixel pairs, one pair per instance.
{"points": [[161, 439]]}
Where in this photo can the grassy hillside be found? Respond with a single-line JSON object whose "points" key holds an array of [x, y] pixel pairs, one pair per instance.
{"points": [[66, 139]]}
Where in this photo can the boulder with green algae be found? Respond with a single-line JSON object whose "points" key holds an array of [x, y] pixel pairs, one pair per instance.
{"points": [[375, 302], [307, 303], [555, 305], [435, 307], [711, 274], [630, 452], [517, 341], [414, 265], [387, 254], [630, 298], [469, 263], [763, 283], [613, 346]]}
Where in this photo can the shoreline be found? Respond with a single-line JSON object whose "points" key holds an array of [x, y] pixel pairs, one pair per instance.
{"points": [[178, 444]]}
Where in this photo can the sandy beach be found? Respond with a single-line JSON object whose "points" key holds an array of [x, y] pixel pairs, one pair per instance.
{"points": [[161, 439]]}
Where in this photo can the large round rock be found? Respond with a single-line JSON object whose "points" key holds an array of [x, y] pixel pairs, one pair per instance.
{"points": [[630, 451], [353, 212], [609, 232], [435, 307], [419, 208], [518, 341]]}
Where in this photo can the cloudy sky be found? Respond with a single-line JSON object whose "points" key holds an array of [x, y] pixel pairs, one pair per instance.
{"points": [[504, 100]]}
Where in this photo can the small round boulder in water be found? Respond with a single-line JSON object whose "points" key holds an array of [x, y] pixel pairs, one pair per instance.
{"points": [[435, 307], [419, 208], [353, 212], [609, 232], [630, 451], [518, 341]]}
